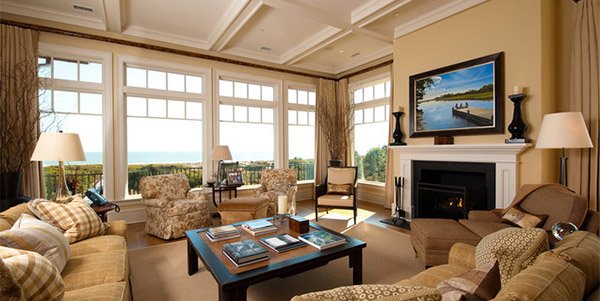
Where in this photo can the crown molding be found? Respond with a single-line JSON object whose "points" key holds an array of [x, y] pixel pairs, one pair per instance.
{"points": [[229, 17], [141, 32], [52, 15], [435, 15]]}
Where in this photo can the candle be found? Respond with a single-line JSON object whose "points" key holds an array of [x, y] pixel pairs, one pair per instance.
{"points": [[282, 204], [400, 109], [518, 90]]}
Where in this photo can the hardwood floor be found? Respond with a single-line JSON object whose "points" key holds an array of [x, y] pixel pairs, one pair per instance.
{"points": [[367, 212]]}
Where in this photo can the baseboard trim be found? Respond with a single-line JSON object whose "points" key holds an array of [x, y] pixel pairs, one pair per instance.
{"points": [[130, 216]]}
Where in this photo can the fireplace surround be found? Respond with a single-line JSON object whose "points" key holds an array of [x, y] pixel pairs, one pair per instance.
{"points": [[504, 158]]}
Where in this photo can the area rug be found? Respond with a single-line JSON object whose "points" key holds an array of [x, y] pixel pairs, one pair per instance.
{"points": [[160, 272]]}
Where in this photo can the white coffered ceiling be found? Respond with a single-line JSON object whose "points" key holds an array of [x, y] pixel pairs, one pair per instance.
{"points": [[330, 36]]}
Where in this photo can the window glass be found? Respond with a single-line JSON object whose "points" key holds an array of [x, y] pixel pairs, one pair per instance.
{"points": [[240, 90], [193, 84], [292, 117], [225, 88], [157, 107], [176, 109], [368, 93], [225, 113], [241, 113], [267, 93], [45, 67], [292, 96], [136, 77], [302, 97], [90, 103], [65, 101], [193, 110], [254, 114], [90, 72], [254, 92], [175, 82], [267, 115], [157, 80], [136, 106], [379, 91], [312, 98], [368, 115], [358, 96], [65, 69]]}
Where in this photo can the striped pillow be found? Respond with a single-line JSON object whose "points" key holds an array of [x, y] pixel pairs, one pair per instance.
{"points": [[38, 278], [77, 218], [31, 234]]}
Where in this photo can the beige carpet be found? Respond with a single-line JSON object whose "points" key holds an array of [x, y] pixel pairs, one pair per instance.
{"points": [[160, 272]]}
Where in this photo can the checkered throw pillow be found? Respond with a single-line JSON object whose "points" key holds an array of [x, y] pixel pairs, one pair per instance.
{"points": [[37, 277], [77, 219]]}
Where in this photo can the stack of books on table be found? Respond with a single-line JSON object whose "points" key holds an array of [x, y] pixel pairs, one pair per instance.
{"points": [[245, 252], [322, 239], [222, 233], [282, 243], [259, 227]]}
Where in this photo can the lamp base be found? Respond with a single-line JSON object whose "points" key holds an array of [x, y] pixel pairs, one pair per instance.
{"points": [[563, 169]]}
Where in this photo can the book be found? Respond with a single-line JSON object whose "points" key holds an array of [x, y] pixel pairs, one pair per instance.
{"points": [[239, 265], [259, 227], [322, 239], [222, 237], [223, 230], [244, 251], [282, 243]]}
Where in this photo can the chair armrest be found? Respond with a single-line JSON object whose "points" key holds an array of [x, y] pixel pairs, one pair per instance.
{"points": [[260, 189], [117, 228], [486, 215], [320, 190], [196, 194], [462, 254], [159, 203]]}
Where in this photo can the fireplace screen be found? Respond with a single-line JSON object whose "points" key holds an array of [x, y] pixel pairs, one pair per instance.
{"points": [[442, 201]]}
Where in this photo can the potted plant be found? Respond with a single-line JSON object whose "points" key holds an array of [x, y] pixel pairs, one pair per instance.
{"points": [[336, 119]]}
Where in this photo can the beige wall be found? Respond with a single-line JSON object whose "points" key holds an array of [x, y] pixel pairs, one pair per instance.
{"points": [[523, 30]]}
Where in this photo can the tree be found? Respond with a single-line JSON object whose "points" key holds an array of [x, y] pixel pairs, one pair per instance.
{"points": [[374, 164]]}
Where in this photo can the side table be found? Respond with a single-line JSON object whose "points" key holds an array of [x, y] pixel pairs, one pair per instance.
{"points": [[220, 189], [102, 210]]}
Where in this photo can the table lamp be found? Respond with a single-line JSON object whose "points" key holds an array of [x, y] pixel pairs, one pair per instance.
{"points": [[59, 147], [220, 153], [563, 130]]}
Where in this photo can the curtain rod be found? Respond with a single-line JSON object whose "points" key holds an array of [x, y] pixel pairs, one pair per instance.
{"points": [[155, 47]]}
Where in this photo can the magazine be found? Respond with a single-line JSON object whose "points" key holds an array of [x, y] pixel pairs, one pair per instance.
{"points": [[282, 243], [322, 239]]}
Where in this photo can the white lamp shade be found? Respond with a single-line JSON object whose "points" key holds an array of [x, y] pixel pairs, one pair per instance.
{"points": [[221, 152], [563, 130], [58, 147]]}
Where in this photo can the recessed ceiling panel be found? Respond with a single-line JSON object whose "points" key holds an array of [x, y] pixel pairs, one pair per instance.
{"points": [[191, 19], [65, 11], [351, 48], [338, 7], [274, 29]]}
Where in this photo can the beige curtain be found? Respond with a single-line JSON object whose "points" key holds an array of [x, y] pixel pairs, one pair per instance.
{"points": [[390, 187], [20, 115], [584, 97], [325, 92], [343, 102]]}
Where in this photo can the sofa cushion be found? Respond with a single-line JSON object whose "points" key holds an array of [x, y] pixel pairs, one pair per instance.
{"points": [[94, 269], [99, 244], [32, 234], [371, 292], [36, 275], [77, 218], [515, 249], [9, 287], [482, 283], [9, 216], [341, 175], [481, 228], [549, 279], [336, 200], [116, 291], [344, 189], [519, 217], [582, 249], [433, 276]]}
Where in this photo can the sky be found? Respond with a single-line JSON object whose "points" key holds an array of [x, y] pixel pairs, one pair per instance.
{"points": [[461, 80]]}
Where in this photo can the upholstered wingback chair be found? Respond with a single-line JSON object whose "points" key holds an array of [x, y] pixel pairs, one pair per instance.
{"points": [[338, 190], [275, 182], [171, 207]]}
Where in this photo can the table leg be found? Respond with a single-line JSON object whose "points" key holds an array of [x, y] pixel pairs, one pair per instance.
{"points": [[233, 293], [213, 197], [220, 200], [192, 259], [356, 265], [235, 191]]}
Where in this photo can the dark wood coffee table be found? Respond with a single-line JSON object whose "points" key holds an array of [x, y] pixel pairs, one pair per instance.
{"points": [[233, 282]]}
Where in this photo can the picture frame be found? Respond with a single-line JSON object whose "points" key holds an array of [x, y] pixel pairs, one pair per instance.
{"points": [[466, 98], [235, 178]]}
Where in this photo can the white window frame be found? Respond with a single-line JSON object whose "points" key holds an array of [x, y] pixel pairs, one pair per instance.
{"points": [[277, 105], [373, 80], [104, 88], [124, 61], [297, 107]]}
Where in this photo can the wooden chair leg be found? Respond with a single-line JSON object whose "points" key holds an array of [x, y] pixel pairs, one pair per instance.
{"points": [[316, 213], [355, 215]]}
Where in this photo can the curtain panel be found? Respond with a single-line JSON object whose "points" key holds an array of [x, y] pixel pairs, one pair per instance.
{"points": [[585, 98]]}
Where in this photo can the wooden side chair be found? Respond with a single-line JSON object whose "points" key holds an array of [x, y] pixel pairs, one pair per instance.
{"points": [[338, 190]]}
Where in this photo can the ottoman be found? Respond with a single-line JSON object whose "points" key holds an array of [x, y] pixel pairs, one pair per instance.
{"points": [[432, 238], [243, 209]]}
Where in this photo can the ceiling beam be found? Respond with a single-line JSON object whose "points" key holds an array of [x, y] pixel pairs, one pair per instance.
{"points": [[116, 15], [233, 11], [312, 44], [307, 11], [246, 14], [375, 35], [318, 46]]}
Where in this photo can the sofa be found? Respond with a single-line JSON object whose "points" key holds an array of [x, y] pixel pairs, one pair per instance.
{"points": [[98, 267], [568, 272], [432, 238]]}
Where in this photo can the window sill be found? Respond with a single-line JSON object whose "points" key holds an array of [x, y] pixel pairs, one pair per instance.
{"points": [[371, 183]]}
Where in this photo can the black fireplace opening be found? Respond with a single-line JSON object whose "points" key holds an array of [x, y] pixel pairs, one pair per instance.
{"points": [[452, 189]]}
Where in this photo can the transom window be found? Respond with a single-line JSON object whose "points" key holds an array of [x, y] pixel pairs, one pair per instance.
{"points": [[69, 69], [162, 80], [244, 90]]}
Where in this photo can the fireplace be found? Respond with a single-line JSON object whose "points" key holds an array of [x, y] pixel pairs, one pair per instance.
{"points": [[452, 189]]}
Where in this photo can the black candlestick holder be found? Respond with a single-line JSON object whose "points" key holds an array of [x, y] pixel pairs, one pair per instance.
{"points": [[517, 126], [398, 135]]}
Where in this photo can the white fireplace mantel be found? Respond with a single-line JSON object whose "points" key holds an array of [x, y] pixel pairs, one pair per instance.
{"points": [[504, 156]]}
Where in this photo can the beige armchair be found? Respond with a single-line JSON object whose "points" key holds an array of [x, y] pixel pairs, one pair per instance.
{"points": [[275, 182], [171, 207], [338, 190]]}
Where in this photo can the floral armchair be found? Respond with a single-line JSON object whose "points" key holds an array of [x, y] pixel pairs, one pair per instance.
{"points": [[275, 182], [171, 207]]}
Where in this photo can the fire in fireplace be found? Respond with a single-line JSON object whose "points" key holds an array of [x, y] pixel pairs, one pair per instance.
{"points": [[452, 189]]}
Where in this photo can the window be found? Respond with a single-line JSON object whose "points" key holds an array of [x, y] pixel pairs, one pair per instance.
{"points": [[74, 102], [247, 119], [371, 126], [301, 132], [164, 122]]}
